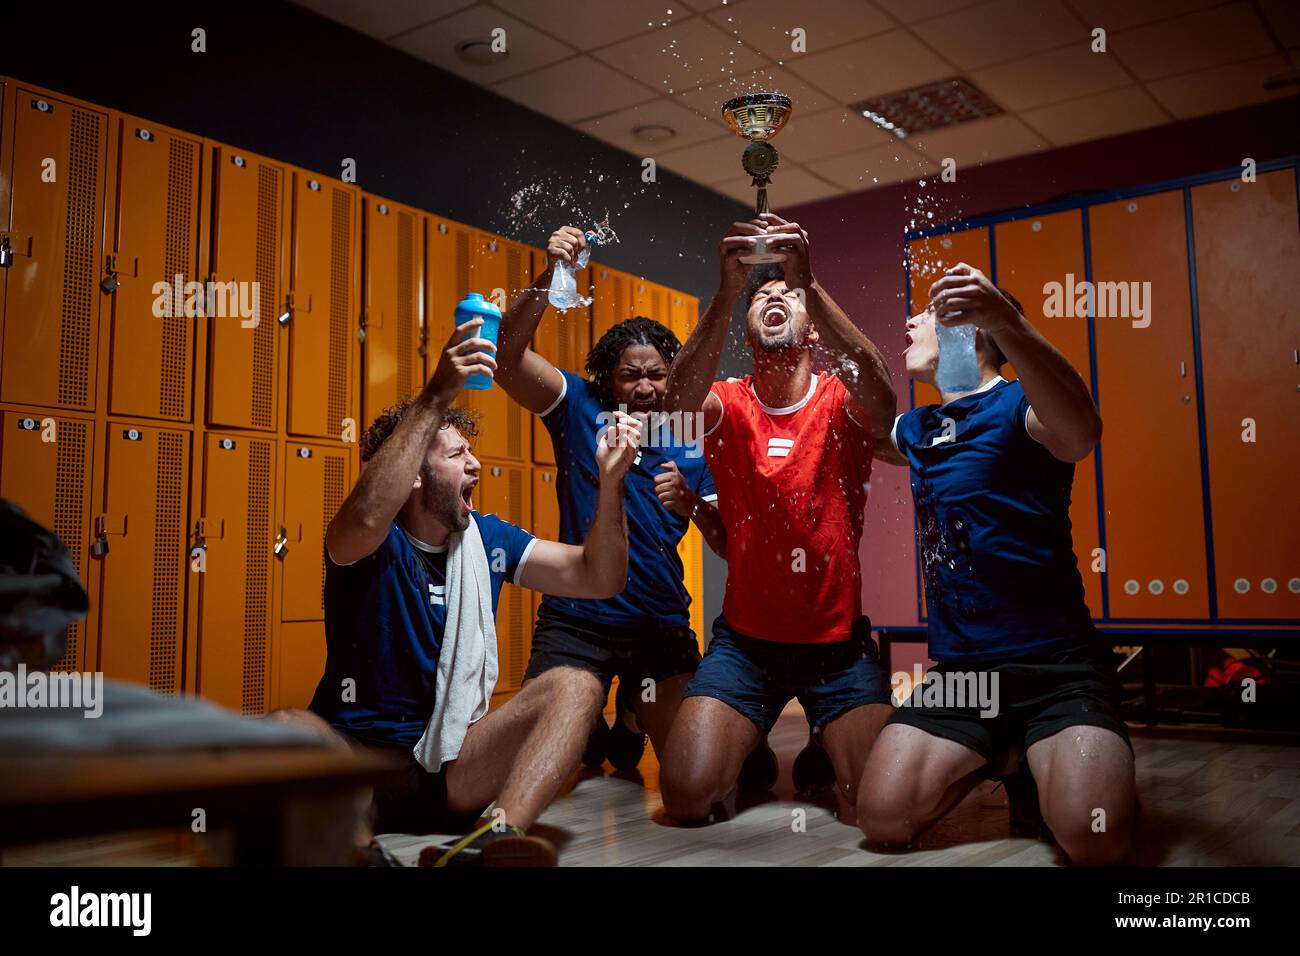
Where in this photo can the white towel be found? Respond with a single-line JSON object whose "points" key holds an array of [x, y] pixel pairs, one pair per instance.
{"points": [[467, 662]]}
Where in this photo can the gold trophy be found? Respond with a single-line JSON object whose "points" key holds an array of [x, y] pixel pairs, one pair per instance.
{"points": [[758, 117]]}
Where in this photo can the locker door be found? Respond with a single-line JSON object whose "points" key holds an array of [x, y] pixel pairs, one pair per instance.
{"points": [[316, 480], [144, 514], [235, 585], [651, 301], [155, 240], [500, 268], [691, 550], [246, 295], [301, 662], [564, 339], [1146, 383], [927, 260], [394, 251], [323, 295], [1031, 253], [611, 300], [54, 225], [1247, 285], [504, 491], [684, 315], [45, 469], [546, 525], [451, 261]]}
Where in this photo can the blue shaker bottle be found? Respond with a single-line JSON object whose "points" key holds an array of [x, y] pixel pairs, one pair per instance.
{"points": [[474, 305]]}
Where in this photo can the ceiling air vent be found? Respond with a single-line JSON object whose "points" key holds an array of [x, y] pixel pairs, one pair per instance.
{"points": [[932, 106]]}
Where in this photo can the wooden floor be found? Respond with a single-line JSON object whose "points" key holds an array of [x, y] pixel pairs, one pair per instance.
{"points": [[1205, 802]]}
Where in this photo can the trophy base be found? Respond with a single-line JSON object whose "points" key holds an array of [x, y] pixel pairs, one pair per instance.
{"points": [[762, 258]]}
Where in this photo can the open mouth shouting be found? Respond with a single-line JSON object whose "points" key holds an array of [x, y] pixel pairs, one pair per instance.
{"points": [[467, 495], [775, 314]]}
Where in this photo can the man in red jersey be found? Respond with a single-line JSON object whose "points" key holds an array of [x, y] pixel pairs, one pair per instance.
{"points": [[790, 450]]}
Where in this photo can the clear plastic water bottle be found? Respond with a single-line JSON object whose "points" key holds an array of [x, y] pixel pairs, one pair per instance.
{"points": [[959, 368], [563, 294]]}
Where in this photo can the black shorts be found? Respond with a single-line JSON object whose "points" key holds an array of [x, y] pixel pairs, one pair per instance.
{"points": [[418, 802], [632, 655], [758, 678], [1035, 697]]}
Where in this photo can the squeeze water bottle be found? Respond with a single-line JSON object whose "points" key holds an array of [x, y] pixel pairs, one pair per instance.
{"points": [[563, 294], [474, 305], [959, 369]]}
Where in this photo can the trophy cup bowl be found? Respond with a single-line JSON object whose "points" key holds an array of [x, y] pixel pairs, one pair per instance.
{"points": [[758, 117]]}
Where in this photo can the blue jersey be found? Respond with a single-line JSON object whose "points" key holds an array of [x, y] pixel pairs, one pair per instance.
{"points": [[384, 621], [654, 594], [1001, 578]]}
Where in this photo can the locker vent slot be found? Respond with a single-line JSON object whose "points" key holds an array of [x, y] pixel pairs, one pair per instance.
{"points": [[564, 346], [70, 491], [257, 552], [516, 637], [462, 265], [334, 492], [179, 256], [268, 238], [340, 244], [514, 431], [80, 281], [516, 507], [405, 297], [514, 273], [622, 307], [168, 551]]}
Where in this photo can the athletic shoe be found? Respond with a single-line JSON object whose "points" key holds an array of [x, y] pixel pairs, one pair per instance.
{"points": [[624, 746], [597, 744], [760, 769], [813, 770], [486, 846]]}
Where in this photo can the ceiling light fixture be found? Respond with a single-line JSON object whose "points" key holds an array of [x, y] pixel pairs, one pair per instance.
{"points": [[932, 106], [479, 52], [654, 132]]}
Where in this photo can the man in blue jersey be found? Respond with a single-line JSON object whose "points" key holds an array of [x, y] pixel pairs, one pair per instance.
{"points": [[412, 581], [641, 635], [1020, 666]]}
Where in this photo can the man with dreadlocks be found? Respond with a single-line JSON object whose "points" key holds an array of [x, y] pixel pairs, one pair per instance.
{"points": [[643, 634], [791, 451]]}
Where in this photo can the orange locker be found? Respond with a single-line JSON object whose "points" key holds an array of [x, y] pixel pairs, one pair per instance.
{"points": [[504, 491], [564, 339], [1146, 384], [394, 313], [57, 157], [246, 298], [611, 299], [316, 480], [927, 260], [143, 516], [1247, 287], [45, 468], [684, 315], [651, 301], [155, 239], [450, 271], [501, 269], [1032, 252], [233, 541], [300, 657], [691, 550], [546, 523], [322, 306]]}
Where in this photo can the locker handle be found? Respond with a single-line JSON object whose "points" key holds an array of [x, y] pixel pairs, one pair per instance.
{"points": [[122, 265], [106, 524], [16, 244], [210, 528]]}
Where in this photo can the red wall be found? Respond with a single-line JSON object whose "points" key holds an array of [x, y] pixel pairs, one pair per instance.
{"points": [[857, 248]]}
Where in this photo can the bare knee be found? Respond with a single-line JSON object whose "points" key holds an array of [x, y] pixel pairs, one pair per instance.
{"points": [[887, 811], [572, 690], [1086, 838], [689, 786], [309, 721]]}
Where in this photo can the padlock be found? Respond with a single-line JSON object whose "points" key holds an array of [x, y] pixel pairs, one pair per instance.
{"points": [[99, 547], [6, 253], [281, 544], [109, 283]]}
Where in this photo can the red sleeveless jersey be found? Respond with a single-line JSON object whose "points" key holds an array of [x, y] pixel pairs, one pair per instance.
{"points": [[792, 485]]}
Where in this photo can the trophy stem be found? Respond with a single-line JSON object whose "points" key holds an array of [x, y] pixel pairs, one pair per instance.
{"points": [[761, 206]]}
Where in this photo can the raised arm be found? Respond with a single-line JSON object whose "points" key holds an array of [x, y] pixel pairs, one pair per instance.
{"points": [[1062, 414], [696, 364], [362, 522], [528, 378], [597, 569], [871, 390]]}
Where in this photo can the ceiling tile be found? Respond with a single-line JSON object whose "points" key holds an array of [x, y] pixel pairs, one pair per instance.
{"points": [[1116, 15], [805, 98], [791, 186], [880, 64], [829, 133], [1002, 30], [616, 128], [870, 168], [766, 24], [383, 20], [709, 162], [1222, 88], [913, 11], [527, 48], [1197, 41], [588, 24], [574, 89], [1097, 116], [978, 142], [1051, 77], [682, 56]]}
